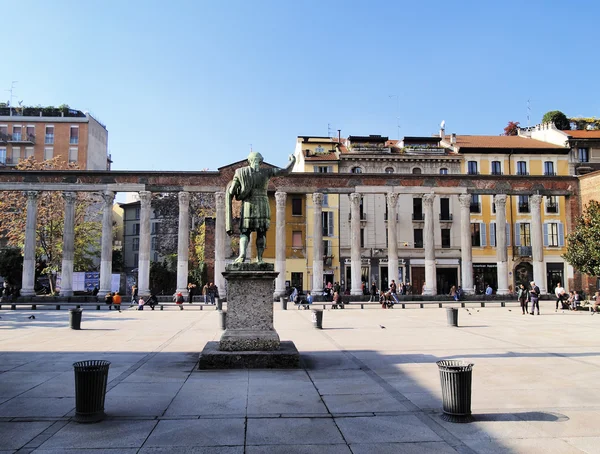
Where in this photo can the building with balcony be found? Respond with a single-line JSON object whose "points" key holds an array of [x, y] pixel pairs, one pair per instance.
{"points": [[46, 133]]}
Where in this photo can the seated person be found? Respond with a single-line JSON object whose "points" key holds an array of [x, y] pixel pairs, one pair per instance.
{"points": [[596, 303], [294, 295], [305, 304], [337, 301], [386, 299], [576, 304]]}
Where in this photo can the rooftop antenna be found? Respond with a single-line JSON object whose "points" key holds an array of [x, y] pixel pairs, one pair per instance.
{"points": [[397, 112], [250, 148], [528, 111], [12, 87], [329, 130]]}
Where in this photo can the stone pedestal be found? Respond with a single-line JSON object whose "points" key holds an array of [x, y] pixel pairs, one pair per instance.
{"points": [[250, 340]]}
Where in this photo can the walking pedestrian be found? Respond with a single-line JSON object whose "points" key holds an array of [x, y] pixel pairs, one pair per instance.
{"points": [[560, 292], [205, 293], [373, 293], [534, 296], [134, 294], [523, 297], [141, 303], [178, 298], [191, 289]]}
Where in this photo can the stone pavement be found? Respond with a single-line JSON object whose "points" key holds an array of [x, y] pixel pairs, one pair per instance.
{"points": [[369, 384]]}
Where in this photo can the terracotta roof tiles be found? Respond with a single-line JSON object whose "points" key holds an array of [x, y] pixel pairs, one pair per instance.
{"points": [[501, 142]]}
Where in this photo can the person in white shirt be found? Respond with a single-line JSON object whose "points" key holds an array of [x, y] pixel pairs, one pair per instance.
{"points": [[560, 293]]}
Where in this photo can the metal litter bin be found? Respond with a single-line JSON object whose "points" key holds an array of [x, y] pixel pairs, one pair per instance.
{"points": [[90, 390], [456, 379], [75, 318], [452, 314], [283, 300], [223, 320], [219, 304], [317, 318]]}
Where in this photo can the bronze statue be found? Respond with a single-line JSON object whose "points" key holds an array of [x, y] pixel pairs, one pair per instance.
{"points": [[249, 185]]}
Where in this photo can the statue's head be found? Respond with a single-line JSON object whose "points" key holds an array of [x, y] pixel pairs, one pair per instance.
{"points": [[255, 159]]}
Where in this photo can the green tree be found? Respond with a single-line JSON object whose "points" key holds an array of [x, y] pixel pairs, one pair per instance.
{"points": [[11, 266], [582, 244], [559, 119], [50, 223], [512, 128]]}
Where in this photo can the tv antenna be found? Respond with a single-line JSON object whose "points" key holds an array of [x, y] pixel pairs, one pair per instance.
{"points": [[330, 130], [528, 111], [397, 112], [12, 87]]}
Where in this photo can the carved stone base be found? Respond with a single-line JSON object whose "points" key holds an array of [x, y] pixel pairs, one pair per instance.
{"points": [[248, 340], [286, 357]]}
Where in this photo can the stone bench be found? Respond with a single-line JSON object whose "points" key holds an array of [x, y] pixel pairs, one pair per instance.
{"points": [[14, 304]]}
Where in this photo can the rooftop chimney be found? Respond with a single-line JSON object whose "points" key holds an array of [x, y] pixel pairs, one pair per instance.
{"points": [[453, 138]]}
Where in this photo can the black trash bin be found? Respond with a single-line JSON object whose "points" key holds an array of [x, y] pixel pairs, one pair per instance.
{"points": [[219, 304], [317, 318], [452, 314], [75, 318], [456, 379], [223, 320], [283, 300], [90, 390]]}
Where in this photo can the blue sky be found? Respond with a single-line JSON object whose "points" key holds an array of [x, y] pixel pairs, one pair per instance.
{"points": [[190, 85]]}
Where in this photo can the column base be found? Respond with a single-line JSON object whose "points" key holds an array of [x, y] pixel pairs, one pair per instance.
{"points": [[502, 291], [27, 292], [286, 357]]}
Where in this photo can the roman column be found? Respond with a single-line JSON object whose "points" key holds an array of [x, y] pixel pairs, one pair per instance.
{"points": [[107, 244], [66, 269], [501, 254], [355, 262], [429, 244], [220, 236], [144, 257], [280, 246], [183, 241], [466, 244], [28, 281], [392, 200], [537, 245], [317, 283]]}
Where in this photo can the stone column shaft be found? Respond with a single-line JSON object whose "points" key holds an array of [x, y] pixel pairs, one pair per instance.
{"points": [[355, 263], [392, 200], [144, 254], [501, 253], [317, 280], [28, 280], [107, 246], [183, 241], [537, 245], [220, 236], [280, 246], [429, 244], [465, 243], [66, 270]]}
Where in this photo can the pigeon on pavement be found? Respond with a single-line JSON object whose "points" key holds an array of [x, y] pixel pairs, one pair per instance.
{"points": [[382, 327], [31, 317]]}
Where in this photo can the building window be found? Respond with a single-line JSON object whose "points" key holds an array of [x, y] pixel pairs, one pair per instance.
{"points": [[443, 171], [524, 230], [48, 153], [153, 243], [496, 168], [551, 234], [73, 155], [445, 209], [327, 223], [418, 238], [323, 169], [549, 168], [472, 168], [552, 204], [475, 234], [296, 206], [297, 239], [29, 152], [523, 204], [475, 206], [325, 200], [583, 155], [2, 155], [136, 259], [49, 135], [154, 230], [418, 209], [155, 259], [135, 244], [16, 155], [416, 171], [327, 249], [389, 170], [74, 135], [445, 238], [30, 132], [356, 170], [362, 237], [137, 213], [521, 168], [16, 135], [135, 229], [4, 132]]}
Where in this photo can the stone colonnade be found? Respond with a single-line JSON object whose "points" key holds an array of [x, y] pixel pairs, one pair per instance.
{"points": [[280, 247]]}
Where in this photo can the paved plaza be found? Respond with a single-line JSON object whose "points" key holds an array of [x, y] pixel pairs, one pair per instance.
{"points": [[369, 383]]}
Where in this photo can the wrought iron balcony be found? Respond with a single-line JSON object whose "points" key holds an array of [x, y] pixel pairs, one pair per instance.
{"points": [[4, 138], [446, 217], [418, 217], [327, 260], [22, 138], [522, 251], [418, 244]]}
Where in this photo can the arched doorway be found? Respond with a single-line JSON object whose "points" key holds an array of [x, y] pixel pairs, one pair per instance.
{"points": [[523, 274]]}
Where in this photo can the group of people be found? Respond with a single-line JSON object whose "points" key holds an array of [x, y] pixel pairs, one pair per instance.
{"points": [[529, 295], [456, 293], [113, 299], [209, 292]]}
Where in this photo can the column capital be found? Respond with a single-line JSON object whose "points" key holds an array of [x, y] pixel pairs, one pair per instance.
{"points": [[31, 195], [280, 198], [355, 198], [109, 197], [145, 197], [184, 197], [500, 199], [220, 200], [69, 197], [428, 199], [317, 198], [465, 200], [535, 199], [392, 198]]}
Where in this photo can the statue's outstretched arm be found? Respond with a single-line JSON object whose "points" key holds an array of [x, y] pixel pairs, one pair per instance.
{"points": [[289, 167]]}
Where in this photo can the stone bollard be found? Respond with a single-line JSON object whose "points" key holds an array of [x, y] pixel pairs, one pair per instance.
{"points": [[284, 302]]}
